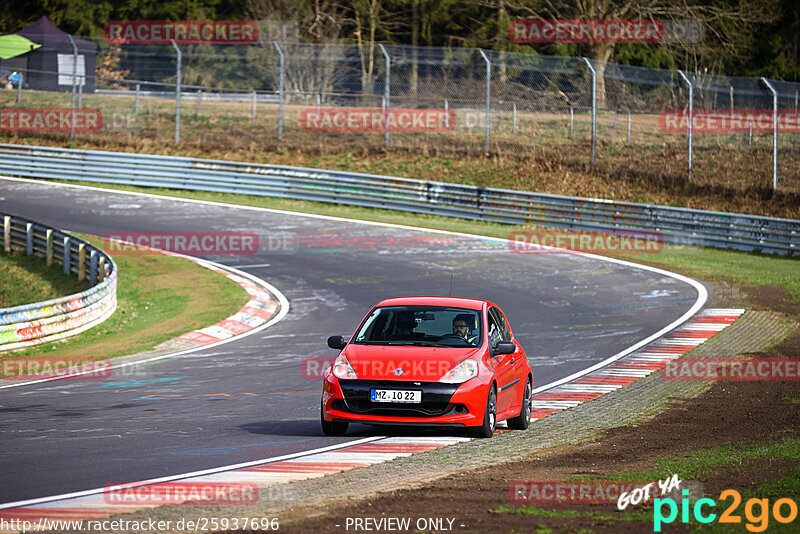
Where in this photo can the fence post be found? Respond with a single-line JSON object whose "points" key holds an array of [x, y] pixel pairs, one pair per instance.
{"points": [[750, 124], [629, 127], [387, 91], [446, 114], [80, 92], [74, 81], [774, 132], [197, 107], [319, 99], [690, 123], [571, 120], [280, 92], [255, 98], [136, 105], [488, 97], [514, 122], [594, 107], [177, 93], [20, 80]]}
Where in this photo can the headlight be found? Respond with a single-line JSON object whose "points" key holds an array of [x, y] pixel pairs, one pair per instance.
{"points": [[343, 370], [461, 372]]}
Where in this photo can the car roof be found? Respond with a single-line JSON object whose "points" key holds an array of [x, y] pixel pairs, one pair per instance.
{"points": [[456, 302]]}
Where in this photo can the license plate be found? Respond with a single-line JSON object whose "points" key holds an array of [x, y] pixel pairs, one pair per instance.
{"points": [[395, 395]]}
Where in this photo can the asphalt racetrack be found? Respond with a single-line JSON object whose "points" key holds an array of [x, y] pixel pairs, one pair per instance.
{"points": [[568, 311]]}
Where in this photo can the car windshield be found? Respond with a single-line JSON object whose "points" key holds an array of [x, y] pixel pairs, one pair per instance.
{"points": [[429, 326]]}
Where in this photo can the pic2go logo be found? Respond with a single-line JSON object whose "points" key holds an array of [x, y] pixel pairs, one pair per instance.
{"points": [[757, 521]]}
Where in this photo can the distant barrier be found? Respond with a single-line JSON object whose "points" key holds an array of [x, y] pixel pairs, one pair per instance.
{"points": [[40, 322], [676, 225]]}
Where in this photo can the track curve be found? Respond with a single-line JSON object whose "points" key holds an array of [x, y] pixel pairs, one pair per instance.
{"points": [[247, 399]]}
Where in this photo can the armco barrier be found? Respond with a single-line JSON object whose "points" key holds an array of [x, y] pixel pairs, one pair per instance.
{"points": [[679, 225], [40, 322]]}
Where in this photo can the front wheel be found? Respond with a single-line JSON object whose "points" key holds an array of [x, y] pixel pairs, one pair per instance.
{"points": [[522, 421], [332, 428], [486, 430]]}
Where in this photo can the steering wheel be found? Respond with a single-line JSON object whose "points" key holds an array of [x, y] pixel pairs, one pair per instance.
{"points": [[448, 335]]}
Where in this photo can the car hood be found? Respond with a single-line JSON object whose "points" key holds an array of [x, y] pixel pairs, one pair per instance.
{"points": [[421, 364]]}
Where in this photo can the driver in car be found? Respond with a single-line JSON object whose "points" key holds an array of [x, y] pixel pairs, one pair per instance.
{"points": [[463, 325]]}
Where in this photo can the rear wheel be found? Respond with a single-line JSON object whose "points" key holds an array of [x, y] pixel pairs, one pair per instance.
{"points": [[332, 428], [486, 430], [522, 421]]}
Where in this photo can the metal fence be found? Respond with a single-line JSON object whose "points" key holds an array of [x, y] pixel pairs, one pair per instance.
{"points": [[41, 322], [475, 101], [676, 225]]}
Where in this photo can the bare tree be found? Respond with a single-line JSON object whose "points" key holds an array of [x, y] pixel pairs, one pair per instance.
{"points": [[722, 20]]}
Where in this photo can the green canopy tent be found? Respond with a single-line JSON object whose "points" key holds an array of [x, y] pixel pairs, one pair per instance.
{"points": [[12, 57], [14, 45]]}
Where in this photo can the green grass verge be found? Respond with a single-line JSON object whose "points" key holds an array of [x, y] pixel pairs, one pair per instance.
{"points": [[158, 298], [703, 263], [28, 279]]}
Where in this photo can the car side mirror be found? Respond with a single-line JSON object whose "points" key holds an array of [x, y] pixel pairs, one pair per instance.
{"points": [[504, 347], [337, 342]]}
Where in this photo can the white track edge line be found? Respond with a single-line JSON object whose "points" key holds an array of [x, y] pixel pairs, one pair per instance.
{"points": [[180, 476]]}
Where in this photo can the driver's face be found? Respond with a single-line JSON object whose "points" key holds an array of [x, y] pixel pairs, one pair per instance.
{"points": [[460, 328]]}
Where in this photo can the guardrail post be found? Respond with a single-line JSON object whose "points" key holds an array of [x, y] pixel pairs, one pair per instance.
{"points": [[92, 267], [136, 105], [49, 246], [7, 233], [19, 87], [387, 91], [690, 123], [594, 108], [29, 239], [74, 81], [67, 254], [774, 133], [81, 262], [280, 91], [177, 93], [101, 271], [488, 98]]}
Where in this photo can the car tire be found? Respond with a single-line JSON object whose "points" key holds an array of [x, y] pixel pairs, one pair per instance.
{"points": [[332, 428], [523, 420], [486, 430]]}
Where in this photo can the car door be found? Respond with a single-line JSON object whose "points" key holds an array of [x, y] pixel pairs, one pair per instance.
{"points": [[518, 360], [505, 370]]}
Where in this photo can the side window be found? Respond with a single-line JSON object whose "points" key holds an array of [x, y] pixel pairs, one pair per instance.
{"points": [[495, 333], [497, 315]]}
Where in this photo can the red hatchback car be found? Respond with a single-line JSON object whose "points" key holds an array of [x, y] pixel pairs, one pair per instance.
{"points": [[439, 361]]}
